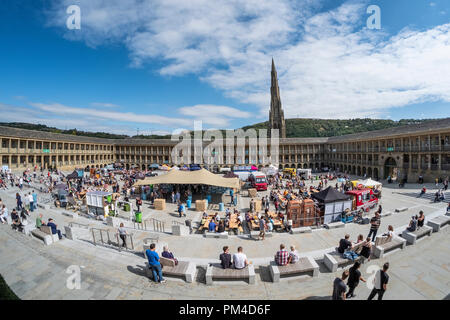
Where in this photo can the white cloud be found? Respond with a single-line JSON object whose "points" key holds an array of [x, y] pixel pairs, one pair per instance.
{"points": [[103, 104], [329, 64]]}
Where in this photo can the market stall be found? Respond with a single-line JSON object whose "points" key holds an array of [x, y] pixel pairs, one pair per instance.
{"points": [[332, 204]]}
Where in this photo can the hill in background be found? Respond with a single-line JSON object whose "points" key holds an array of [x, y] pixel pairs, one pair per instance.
{"points": [[311, 128], [295, 128]]}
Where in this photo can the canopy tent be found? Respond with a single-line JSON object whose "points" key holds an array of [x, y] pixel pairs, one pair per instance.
{"points": [[370, 183], [191, 177], [231, 175], [73, 175], [330, 195], [174, 168], [154, 166]]}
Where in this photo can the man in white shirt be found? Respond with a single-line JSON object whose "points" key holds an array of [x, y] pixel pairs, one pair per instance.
{"points": [[31, 201], [240, 259]]}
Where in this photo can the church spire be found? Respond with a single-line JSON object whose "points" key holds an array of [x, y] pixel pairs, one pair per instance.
{"points": [[276, 116]]}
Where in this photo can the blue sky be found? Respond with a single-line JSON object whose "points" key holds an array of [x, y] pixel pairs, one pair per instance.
{"points": [[159, 65]]}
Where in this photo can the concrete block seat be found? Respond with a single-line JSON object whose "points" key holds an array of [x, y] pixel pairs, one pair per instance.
{"points": [[222, 235], [45, 234], [412, 237], [28, 228], [334, 260], [438, 222], [301, 230], [334, 225], [216, 272], [402, 209], [383, 246], [386, 214], [304, 265], [183, 269]]}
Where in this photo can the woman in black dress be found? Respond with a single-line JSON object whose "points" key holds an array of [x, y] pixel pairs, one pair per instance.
{"points": [[366, 249], [421, 219]]}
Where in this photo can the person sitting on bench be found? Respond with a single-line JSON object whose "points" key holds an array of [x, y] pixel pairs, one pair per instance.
{"points": [[412, 224], [366, 249], [39, 221], [53, 226], [282, 256], [293, 255], [390, 233], [344, 244], [420, 219], [212, 226], [240, 259], [168, 254], [225, 258]]}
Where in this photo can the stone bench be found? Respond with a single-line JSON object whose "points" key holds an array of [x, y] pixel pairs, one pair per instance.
{"points": [[28, 228], [334, 260], [386, 214], [438, 222], [48, 239], [75, 232], [383, 246], [180, 230], [412, 237], [72, 215], [301, 230], [216, 272], [44, 206], [222, 235], [304, 265], [334, 225], [183, 269], [401, 209]]}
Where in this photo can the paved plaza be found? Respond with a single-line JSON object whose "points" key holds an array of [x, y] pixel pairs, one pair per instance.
{"points": [[36, 271]]}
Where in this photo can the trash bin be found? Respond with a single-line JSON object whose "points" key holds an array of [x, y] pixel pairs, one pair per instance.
{"points": [[139, 217], [208, 197], [188, 203], [126, 207], [235, 201], [221, 207], [190, 198], [144, 196]]}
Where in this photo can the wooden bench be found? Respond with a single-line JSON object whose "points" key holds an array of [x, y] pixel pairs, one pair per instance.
{"points": [[216, 272], [401, 209], [304, 265], [383, 245], [334, 225], [334, 259], [438, 222], [183, 269], [412, 237], [301, 230]]}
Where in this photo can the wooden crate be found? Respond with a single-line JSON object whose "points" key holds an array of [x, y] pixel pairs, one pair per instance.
{"points": [[252, 193], [160, 204], [294, 212], [200, 205], [258, 204], [308, 213]]}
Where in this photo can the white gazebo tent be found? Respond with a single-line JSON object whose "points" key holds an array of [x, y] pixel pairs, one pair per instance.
{"points": [[369, 183]]}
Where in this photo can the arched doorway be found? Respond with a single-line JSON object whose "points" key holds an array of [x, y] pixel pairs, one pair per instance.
{"points": [[375, 174], [143, 167], [390, 168], [358, 172], [369, 172]]}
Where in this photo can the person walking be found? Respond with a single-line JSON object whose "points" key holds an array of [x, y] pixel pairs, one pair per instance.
{"points": [[353, 279], [262, 229], [380, 283], [339, 287], [123, 235], [375, 224]]}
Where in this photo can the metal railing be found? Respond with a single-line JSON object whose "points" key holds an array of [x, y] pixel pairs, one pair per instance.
{"points": [[78, 225], [158, 226]]}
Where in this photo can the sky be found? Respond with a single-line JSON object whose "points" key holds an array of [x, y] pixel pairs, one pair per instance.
{"points": [[156, 66]]}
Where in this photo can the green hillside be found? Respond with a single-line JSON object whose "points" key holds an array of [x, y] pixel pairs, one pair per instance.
{"points": [[304, 128], [295, 128]]}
